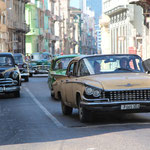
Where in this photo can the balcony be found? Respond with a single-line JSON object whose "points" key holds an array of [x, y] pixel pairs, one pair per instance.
{"points": [[54, 38], [48, 13], [33, 31], [26, 28], [55, 18], [27, 1], [116, 10], [140, 2]]}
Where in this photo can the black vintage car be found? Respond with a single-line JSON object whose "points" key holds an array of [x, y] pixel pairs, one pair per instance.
{"points": [[10, 78], [22, 65]]}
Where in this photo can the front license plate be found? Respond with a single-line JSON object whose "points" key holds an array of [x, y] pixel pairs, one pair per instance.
{"points": [[130, 106]]}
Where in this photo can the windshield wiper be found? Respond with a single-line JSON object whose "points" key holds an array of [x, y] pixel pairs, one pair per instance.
{"points": [[126, 69]]}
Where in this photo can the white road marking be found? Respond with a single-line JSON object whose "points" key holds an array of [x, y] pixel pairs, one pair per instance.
{"points": [[47, 113], [114, 125]]}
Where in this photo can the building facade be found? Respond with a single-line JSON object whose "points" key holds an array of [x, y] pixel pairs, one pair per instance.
{"points": [[125, 26], [3, 27], [17, 28], [145, 5]]}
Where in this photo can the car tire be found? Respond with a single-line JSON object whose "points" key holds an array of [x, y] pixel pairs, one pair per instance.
{"points": [[17, 94], [84, 114], [66, 110], [30, 75], [26, 79]]}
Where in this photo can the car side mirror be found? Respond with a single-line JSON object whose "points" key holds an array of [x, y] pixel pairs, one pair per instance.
{"points": [[70, 74], [148, 72]]}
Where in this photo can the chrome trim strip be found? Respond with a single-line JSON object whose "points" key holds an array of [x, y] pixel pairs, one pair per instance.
{"points": [[89, 100], [113, 103], [126, 90]]}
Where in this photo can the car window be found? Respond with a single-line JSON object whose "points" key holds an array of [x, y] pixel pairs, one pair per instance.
{"points": [[73, 68], [110, 64], [6, 61], [61, 63], [18, 59], [83, 70]]}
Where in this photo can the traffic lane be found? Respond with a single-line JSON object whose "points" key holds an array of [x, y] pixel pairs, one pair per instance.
{"points": [[21, 121], [114, 138], [54, 107], [76, 138]]}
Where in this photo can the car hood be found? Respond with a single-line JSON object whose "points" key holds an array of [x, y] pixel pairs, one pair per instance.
{"points": [[40, 62], [3, 71], [58, 72], [119, 81]]}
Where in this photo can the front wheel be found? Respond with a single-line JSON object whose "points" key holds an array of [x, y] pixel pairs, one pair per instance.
{"points": [[17, 94], [66, 110], [84, 114], [26, 79]]}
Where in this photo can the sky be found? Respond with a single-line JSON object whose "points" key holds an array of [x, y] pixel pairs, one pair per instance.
{"points": [[75, 3], [95, 5]]}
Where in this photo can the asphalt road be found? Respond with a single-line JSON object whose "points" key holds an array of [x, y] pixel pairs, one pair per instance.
{"points": [[35, 122]]}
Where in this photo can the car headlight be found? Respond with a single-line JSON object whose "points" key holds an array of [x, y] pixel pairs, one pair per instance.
{"points": [[88, 90], [96, 93], [15, 75], [7, 74], [24, 65]]}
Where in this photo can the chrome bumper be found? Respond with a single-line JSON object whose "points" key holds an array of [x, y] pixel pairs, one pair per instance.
{"points": [[24, 74], [9, 89], [103, 105]]}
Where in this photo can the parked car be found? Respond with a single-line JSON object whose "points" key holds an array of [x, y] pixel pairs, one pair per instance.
{"points": [[10, 78], [58, 68], [22, 65], [104, 83], [39, 63]]}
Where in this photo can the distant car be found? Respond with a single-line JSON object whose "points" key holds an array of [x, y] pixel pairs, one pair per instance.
{"points": [[39, 63], [10, 78], [104, 83], [22, 65], [58, 68]]}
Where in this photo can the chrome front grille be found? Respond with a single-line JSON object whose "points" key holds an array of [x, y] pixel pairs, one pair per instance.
{"points": [[128, 95], [7, 82], [43, 67]]}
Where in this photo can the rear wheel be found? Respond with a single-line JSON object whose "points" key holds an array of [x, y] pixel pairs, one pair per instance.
{"points": [[17, 94]]}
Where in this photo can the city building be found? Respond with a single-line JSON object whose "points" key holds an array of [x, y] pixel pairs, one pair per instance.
{"points": [[98, 38], [17, 28], [35, 19], [125, 26], [75, 30], [88, 36], [3, 27], [145, 47], [104, 23]]}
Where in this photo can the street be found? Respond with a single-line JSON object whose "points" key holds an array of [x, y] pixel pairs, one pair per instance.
{"points": [[35, 122]]}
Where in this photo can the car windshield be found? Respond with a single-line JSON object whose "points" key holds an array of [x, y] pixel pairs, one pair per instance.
{"points": [[62, 63], [111, 64], [18, 59], [40, 56], [6, 61]]}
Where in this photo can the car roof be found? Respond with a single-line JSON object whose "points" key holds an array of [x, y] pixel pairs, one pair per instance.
{"points": [[6, 54], [18, 54], [97, 55], [65, 56]]}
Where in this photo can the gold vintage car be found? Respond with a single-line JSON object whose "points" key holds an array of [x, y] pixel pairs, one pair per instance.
{"points": [[104, 83]]}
